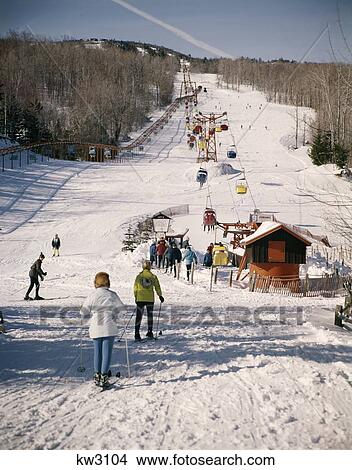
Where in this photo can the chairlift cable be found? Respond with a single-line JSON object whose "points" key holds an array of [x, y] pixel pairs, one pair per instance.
{"points": [[242, 168]]}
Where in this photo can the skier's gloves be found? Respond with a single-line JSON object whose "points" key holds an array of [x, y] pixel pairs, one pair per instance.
{"points": [[44, 274], [161, 298]]}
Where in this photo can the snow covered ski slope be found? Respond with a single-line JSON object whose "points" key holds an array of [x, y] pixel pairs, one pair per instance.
{"points": [[226, 373]]}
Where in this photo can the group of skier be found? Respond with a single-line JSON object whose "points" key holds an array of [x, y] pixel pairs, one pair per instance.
{"points": [[169, 256], [103, 304]]}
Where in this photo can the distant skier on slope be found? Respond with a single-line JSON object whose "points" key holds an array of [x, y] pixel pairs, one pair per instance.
{"points": [[34, 273], [56, 243], [102, 307], [144, 285], [189, 257]]}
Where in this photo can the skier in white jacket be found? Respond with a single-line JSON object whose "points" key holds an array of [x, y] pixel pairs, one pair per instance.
{"points": [[102, 306]]}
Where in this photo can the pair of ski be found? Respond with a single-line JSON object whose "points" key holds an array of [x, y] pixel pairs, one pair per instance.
{"points": [[148, 340], [42, 298], [111, 385]]}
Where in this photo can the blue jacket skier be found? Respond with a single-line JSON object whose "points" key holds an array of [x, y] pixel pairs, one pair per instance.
{"points": [[189, 257], [208, 259], [152, 253]]}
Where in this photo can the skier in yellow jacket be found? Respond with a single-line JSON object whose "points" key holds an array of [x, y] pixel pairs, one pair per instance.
{"points": [[144, 286]]}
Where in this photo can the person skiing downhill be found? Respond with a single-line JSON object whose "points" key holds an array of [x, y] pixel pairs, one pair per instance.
{"points": [[144, 285], [34, 273], [102, 307], [189, 257], [56, 243]]}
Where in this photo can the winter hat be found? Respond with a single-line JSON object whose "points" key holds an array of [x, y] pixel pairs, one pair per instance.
{"points": [[41, 256], [102, 280], [146, 264]]}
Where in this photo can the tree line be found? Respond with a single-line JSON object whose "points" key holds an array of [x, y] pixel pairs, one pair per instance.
{"points": [[327, 88], [64, 90]]}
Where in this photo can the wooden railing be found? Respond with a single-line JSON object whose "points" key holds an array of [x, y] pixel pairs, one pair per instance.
{"points": [[325, 286], [26, 154]]}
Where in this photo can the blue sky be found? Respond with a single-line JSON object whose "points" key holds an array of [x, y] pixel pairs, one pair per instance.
{"points": [[254, 28]]}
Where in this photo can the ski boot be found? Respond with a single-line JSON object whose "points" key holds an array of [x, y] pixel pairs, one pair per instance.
{"points": [[28, 298], [137, 337], [104, 381], [96, 378], [150, 335], [37, 297]]}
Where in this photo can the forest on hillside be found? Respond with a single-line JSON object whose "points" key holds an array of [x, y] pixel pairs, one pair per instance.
{"points": [[327, 88], [66, 90], [100, 90]]}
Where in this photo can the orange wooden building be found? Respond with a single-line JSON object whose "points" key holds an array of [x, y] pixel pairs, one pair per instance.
{"points": [[275, 250]]}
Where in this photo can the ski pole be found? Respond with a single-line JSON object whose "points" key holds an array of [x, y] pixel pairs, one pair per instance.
{"points": [[157, 325], [127, 359], [81, 367], [126, 326]]}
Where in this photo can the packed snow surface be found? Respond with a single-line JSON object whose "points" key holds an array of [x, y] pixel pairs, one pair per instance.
{"points": [[230, 370]]}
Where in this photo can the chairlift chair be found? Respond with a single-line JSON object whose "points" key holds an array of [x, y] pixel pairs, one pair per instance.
{"points": [[209, 218], [241, 186], [107, 152], [92, 152], [202, 175]]}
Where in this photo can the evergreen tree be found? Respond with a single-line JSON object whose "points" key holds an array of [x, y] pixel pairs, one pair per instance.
{"points": [[35, 128], [320, 152], [31, 121], [10, 114], [340, 155]]}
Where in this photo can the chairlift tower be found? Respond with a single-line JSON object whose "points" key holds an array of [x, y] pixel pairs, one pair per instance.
{"points": [[209, 134], [187, 86]]}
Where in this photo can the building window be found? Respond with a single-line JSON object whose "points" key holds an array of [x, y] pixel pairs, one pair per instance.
{"points": [[276, 251]]}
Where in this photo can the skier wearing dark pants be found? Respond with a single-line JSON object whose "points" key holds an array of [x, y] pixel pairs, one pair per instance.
{"points": [[102, 307], [139, 314], [208, 259], [152, 253], [56, 243], [160, 251], [144, 286], [35, 273], [189, 258], [175, 256]]}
